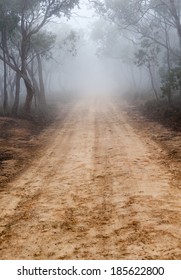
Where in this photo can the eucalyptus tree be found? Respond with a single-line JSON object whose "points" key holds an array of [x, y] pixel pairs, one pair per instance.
{"points": [[41, 45], [170, 12], [8, 22], [155, 21], [33, 16], [147, 56]]}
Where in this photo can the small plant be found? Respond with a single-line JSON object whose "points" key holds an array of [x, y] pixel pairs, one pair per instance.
{"points": [[171, 81]]}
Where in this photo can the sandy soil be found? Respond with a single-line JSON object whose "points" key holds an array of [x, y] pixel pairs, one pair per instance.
{"points": [[99, 190], [18, 141]]}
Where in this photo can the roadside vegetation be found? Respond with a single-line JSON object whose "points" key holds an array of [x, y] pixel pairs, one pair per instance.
{"points": [[145, 37], [26, 43], [30, 50]]}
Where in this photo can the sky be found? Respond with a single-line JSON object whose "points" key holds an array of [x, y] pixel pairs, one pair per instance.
{"points": [[83, 17]]}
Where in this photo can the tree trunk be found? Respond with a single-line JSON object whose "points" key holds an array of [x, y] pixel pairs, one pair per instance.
{"points": [[169, 96], [134, 86], [36, 89], [30, 91], [48, 81], [42, 99], [152, 83], [178, 26], [35, 83], [17, 93], [29, 96], [12, 84], [5, 103], [167, 42], [1, 87]]}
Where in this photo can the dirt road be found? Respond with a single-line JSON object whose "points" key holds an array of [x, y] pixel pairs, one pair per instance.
{"points": [[97, 191]]}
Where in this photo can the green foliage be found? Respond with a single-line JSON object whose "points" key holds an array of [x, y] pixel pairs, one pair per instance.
{"points": [[21, 36], [42, 42], [8, 18], [71, 42], [147, 55], [119, 11], [171, 80], [55, 7]]}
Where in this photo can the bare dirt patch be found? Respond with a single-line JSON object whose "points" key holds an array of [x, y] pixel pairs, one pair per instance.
{"points": [[21, 141], [17, 146], [166, 134]]}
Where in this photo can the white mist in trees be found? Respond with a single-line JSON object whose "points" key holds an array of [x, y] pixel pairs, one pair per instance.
{"points": [[127, 28], [119, 54], [32, 16], [59, 71], [158, 22], [169, 11], [168, 15]]}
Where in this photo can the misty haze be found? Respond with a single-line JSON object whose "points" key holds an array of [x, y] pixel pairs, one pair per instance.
{"points": [[90, 126]]}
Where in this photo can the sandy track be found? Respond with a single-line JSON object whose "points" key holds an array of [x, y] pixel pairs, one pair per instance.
{"points": [[99, 191]]}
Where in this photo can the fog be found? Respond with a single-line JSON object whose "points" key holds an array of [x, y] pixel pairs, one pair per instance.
{"points": [[88, 72], [85, 48], [90, 127]]}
